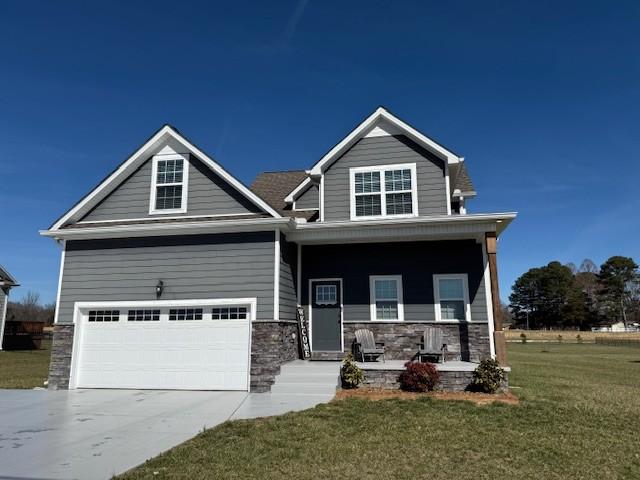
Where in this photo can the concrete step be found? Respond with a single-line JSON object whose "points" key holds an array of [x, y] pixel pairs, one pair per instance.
{"points": [[303, 388], [310, 368], [302, 377]]}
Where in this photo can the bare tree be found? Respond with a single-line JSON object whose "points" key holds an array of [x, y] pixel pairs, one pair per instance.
{"points": [[589, 266]]}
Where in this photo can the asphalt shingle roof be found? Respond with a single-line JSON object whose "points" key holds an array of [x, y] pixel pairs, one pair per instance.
{"points": [[273, 187]]}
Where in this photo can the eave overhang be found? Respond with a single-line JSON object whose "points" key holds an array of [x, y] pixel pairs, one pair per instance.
{"points": [[419, 228], [406, 229]]}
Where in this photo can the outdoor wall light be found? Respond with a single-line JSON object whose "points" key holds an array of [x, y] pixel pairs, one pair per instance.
{"points": [[159, 288]]}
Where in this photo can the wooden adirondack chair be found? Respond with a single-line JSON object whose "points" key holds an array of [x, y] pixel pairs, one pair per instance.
{"points": [[432, 344], [367, 346]]}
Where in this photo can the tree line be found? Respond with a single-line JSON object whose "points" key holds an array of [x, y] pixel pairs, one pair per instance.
{"points": [[29, 309], [558, 296]]}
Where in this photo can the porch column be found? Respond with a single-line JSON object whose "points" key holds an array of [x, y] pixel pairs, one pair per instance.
{"points": [[498, 334]]}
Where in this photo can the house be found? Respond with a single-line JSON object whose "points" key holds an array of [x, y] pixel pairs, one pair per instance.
{"points": [[7, 282], [175, 275]]}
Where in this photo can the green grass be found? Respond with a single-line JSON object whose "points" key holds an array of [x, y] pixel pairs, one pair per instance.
{"points": [[24, 368], [579, 418]]}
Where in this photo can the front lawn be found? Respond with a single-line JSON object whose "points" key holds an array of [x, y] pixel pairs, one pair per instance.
{"points": [[579, 418], [24, 368]]}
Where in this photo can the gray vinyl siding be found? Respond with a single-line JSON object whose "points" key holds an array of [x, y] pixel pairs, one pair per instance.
{"points": [[310, 199], [193, 267], [388, 150], [288, 277], [208, 195], [417, 262]]}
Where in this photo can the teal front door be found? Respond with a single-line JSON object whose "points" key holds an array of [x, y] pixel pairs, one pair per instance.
{"points": [[326, 316]]}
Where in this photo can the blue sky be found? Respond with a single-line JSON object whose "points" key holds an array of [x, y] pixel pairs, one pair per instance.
{"points": [[542, 98]]}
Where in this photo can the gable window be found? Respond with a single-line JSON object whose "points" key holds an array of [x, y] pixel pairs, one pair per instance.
{"points": [[169, 184], [451, 297], [386, 297], [385, 191]]}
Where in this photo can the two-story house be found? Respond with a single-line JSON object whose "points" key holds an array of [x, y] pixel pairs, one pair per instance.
{"points": [[175, 275]]}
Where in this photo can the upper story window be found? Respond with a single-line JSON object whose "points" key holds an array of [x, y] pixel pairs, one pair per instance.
{"points": [[451, 295], [385, 191], [169, 184]]}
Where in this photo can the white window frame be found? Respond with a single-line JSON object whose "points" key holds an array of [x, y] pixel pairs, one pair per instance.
{"points": [[154, 186], [383, 193], [465, 290], [326, 302], [372, 297]]}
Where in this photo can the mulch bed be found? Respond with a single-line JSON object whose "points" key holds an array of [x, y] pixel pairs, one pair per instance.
{"points": [[381, 394]]}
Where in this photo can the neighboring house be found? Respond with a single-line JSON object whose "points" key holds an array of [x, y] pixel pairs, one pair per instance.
{"points": [[7, 282], [176, 275]]}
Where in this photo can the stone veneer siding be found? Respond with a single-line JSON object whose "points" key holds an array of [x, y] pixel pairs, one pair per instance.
{"points": [[272, 344], [449, 381], [468, 342], [61, 351]]}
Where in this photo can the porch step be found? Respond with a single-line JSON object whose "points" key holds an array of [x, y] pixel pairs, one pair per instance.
{"points": [[307, 378], [331, 356], [304, 388]]}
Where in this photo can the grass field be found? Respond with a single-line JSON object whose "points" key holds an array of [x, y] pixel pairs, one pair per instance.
{"points": [[24, 368], [569, 336], [579, 418]]}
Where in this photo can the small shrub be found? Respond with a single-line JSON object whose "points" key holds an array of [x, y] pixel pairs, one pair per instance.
{"points": [[419, 377], [578, 338], [351, 374], [487, 377], [559, 338], [523, 337]]}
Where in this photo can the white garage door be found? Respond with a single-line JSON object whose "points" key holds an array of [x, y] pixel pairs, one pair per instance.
{"points": [[176, 346]]}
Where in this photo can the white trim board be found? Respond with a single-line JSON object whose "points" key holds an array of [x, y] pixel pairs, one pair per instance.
{"points": [[137, 158], [276, 275], [487, 292]]}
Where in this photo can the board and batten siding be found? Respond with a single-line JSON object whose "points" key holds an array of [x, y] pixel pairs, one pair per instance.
{"points": [[208, 194], [385, 150], [309, 200], [191, 267], [416, 262], [288, 274]]}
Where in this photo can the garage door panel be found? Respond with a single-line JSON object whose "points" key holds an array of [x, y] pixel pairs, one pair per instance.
{"points": [[202, 354]]}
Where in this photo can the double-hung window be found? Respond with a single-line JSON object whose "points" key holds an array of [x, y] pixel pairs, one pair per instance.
{"points": [[386, 191], [386, 297], [451, 297], [169, 184]]}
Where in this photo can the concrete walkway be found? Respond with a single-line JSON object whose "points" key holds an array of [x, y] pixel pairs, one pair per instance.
{"points": [[95, 434]]}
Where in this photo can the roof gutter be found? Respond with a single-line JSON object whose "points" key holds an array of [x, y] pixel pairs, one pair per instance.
{"points": [[177, 228]]}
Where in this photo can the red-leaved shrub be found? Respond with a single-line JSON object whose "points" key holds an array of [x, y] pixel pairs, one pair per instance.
{"points": [[419, 377]]}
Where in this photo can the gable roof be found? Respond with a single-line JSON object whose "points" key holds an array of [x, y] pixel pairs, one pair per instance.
{"points": [[154, 143], [382, 115], [5, 277], [275, 186], [460, 179]]}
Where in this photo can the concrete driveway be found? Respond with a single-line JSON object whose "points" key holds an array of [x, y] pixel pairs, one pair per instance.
{"points": [[96, 434]]}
